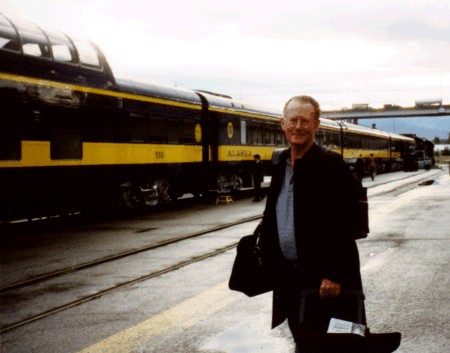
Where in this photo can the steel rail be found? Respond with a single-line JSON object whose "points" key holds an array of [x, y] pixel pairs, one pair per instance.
{"points": [[49, 275], [101, 293]]}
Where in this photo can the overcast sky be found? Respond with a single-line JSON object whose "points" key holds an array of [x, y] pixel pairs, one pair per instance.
{"points": [[341, 52]]}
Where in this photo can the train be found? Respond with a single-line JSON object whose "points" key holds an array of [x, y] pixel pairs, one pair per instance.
{"points": [[423, 156], [73, 136]]}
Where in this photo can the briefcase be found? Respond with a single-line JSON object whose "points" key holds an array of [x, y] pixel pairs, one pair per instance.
{"points": [[314, 321]]}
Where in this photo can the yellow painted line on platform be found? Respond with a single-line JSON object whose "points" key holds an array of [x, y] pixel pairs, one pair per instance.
{"points": [[180, 316]]}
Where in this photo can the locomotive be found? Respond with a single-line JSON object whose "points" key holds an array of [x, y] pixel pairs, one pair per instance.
{"points": [[73, 136]]}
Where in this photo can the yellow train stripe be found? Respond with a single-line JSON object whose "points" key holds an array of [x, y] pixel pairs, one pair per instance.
{"points": [[72, 87], [177, 318], [354, 153], [37, 154], [245, 153]]}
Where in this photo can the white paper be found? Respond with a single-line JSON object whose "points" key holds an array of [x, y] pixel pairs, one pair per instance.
{"points": [[342, 326]]}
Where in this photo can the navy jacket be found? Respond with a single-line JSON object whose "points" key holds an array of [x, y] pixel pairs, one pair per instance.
{"points": [[323, 208]]}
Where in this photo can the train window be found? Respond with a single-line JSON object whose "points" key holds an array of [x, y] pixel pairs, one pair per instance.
{"points": [[189, 132], [348, 141], [157, 131], [395, 146], [252, 135], [34, 41], [243, 132], [137, 128], [256, 134], [331, 139], [62, 48], [174, 133], [87, 53], [229, 130], [8, 36], [66, 144], [236, 132], [249, 134], [62, 53], [280, 138], [352, 141], [32, 49], [366, 143], [180, 132], [320, 137], [268, 136], [259, 136]]}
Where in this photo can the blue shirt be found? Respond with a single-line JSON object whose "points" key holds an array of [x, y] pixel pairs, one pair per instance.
{"points": [[285, 215]]}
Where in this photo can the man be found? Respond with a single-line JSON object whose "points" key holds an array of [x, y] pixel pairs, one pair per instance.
{"points": [[372, 166], [258, 177], [359, 167], [306, 229]]}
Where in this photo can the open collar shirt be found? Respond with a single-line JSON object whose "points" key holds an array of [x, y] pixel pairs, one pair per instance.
{"points": [[285, 215]]}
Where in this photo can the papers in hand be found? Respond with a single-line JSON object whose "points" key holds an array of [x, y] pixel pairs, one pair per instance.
{"points": [[342, 326]]}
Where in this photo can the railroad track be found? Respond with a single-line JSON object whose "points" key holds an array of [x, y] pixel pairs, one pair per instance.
{"points": [[8, 291], [406, 183], [16, 290], [46, 276]]}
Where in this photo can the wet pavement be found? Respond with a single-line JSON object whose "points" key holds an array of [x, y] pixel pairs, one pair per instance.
{"points": [[405, 263]]}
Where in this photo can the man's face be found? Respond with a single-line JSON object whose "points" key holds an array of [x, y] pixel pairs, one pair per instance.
{"points": [[299, 124]]}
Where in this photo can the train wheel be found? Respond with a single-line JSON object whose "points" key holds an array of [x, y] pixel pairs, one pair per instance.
{"points": [[128, 198], [159, 195], [229, 183], [237, 184]]}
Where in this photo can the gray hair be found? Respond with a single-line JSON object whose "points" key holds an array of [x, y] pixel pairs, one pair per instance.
{"points": [[304, 99]]}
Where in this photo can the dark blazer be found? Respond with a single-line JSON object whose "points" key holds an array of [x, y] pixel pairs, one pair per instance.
{"points": [[323, 223], [258, 171]]}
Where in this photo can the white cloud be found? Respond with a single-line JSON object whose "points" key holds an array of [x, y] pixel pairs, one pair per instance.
{"points": [[342, 52]]}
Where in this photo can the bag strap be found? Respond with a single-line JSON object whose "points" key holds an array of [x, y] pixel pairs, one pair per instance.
{"points": [[276, 155]]}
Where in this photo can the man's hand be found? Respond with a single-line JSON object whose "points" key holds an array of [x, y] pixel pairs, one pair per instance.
{"points": [[329, 289]]}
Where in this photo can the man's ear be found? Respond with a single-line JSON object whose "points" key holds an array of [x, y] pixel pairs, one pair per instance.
{"points": [[283, 124], [317, 123]]}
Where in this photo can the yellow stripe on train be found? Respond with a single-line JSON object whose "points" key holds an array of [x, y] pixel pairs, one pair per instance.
{"points": [[37, 154], [85, 89], [240, 153], [355, 153], [244, 153]]}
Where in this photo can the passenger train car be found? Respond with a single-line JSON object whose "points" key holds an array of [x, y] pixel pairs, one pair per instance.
{"points": [[73, 136]]}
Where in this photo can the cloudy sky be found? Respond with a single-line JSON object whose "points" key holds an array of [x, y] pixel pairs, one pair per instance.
{"points": [[341, 52]]}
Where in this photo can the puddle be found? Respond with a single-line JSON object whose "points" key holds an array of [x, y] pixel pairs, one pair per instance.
{"points": [[426, 183]]}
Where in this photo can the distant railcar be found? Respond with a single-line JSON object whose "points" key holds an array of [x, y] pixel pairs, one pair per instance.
{"points": [[355, 141], [73, 136], [423, 155]]}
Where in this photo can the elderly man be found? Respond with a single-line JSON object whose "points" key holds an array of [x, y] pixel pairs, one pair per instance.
{"points": [[307, 237]]}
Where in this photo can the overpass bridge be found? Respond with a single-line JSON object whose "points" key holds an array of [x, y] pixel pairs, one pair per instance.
{"points": [[363, 111]]}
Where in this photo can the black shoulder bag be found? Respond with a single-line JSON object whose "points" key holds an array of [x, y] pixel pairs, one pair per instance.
{"points": [[247, 275]]}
